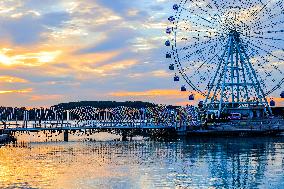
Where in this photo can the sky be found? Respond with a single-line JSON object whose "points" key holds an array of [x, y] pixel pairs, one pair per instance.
{"points": [[60, 51], [56, 51]]}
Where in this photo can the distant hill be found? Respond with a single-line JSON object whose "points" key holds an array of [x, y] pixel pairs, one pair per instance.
{"points": [[105, 104], [131, 104]]}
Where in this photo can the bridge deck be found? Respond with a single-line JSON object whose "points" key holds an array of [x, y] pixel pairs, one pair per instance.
{"points": [[233, 126], [81, 128], [94, 125]]}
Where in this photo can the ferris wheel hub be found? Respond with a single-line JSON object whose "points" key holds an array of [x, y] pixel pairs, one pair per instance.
{"points": [[235, 34]]}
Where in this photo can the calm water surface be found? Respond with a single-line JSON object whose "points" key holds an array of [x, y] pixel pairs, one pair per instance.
{"points": [[191, 163]]}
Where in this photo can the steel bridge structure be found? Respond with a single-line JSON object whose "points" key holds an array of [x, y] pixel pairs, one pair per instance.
{"points": [[125, 121]]}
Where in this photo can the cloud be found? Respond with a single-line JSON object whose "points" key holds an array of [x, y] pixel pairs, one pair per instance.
{"points": [[28, 28], [160, 73], [120, 6], [16, 91], [46, 97], [23, 30], [110, 69], [166, 96], [54, 19], [170, 93], [9, 58], [46, 4], [116, 39], [11, 79], [149, 93]]}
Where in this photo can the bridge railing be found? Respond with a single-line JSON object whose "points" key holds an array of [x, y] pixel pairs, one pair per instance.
{"points": [[88, 124]]}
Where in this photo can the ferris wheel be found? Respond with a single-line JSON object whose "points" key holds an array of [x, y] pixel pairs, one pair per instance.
{"points": [[230, 52]]}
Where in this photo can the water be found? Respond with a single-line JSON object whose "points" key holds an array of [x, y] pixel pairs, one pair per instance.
{"points": [[191, 163]]}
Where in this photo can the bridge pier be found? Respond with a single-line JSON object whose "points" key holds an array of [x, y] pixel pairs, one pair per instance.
{"points": [[124, 135], [65, 135]]}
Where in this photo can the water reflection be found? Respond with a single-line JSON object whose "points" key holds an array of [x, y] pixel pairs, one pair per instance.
{"points": [[194, 163]]}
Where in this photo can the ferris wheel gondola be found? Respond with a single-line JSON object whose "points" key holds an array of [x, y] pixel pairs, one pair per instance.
{"points": [[282, 94]]}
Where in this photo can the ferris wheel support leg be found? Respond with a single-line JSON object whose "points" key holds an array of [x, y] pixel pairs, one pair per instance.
{"points": [[215, 76], [244, 77], [218, 86], [220, 77], [232, 72], [224, 77], [246, 68], [253, 78], [258, 84], [213, 81], [238, 76]]}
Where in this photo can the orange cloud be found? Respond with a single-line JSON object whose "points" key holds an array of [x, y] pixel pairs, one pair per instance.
{"points": [[160, 73], [11, 79], [156, 92], [48, 56], [168, 96], [111, 68], [10, 58], [17, 91], [45, 97], [91, 58]]}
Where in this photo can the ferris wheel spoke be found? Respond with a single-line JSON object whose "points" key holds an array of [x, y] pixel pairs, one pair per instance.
{"points": [[201, 17], [275, 31], [195, 45], [250, 44], [256, 13], [266, 12], [198, 55], [202, 56], [188, 81], [209, 6], [194, 52], [191, 46], [179, 26], [200, 24], [267, 19], [186, 29], [276, 87], [271, 24], [198, 38], [200, 48], [261, 42], [216, 5], [202, 59], [206, 62]]}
